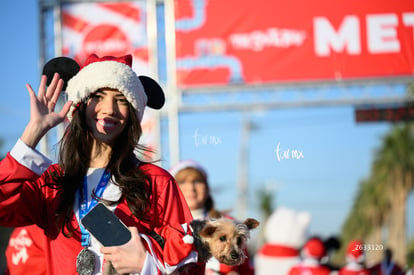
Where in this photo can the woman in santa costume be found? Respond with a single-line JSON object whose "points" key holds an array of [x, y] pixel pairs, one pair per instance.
{"points": [[354, 260], [97, 163]]}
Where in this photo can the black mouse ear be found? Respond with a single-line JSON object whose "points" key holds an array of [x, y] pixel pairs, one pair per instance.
{"points": [[65, 66], [155, 94]]}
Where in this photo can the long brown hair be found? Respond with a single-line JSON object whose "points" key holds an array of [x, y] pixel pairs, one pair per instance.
{"points": [[74, 157]]}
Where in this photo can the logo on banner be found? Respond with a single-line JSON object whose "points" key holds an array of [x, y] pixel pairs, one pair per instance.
{"points": [[112, 29], [106, 38]]}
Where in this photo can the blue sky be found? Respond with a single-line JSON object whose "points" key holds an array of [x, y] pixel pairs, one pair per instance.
{"points": [[336, 153], [20, 52]]}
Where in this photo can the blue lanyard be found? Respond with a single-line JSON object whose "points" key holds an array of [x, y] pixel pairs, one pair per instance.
{"points": [[83, 202]]}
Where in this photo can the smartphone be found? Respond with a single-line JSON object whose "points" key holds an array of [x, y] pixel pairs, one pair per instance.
{"points": [[105, 226]]}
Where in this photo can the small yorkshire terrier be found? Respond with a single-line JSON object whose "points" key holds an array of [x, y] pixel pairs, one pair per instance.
{"points": [[223, 239]]}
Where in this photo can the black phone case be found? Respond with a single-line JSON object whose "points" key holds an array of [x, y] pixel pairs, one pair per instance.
{"points": [[105, 226]]}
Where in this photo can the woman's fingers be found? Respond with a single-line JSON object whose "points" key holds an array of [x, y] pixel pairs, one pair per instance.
{"points": [[42, 87], [34, 102], [42, 114], [42, 106], [127, 258], [53, 86], [32, 93], [47, 98], [55, 96], [51, 96], [65, 109]]}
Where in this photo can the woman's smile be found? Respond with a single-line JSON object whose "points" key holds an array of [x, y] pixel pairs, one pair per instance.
{"points": [[107, 123]]}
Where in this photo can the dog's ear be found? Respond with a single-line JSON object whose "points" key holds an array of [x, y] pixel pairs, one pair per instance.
{"points": [[251, 223], [207, 230]]}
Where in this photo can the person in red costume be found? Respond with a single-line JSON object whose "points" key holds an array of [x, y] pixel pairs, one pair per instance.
{"points": [[25, 252], [387, 266], [97, 162], [192, 179], [312, 253], [354, 260]]}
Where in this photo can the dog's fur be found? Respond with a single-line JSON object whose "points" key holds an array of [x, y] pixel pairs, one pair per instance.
{"points": [[223, 239]]}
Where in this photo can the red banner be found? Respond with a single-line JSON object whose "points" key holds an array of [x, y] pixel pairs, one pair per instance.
{"points": [[271, 41]]}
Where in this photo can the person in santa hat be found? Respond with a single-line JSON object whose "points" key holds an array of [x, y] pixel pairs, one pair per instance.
{"points": [[312, 253], [97, 162], [355, 259]]}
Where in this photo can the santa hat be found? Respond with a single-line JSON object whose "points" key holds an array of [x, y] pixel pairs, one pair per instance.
{"points": [[115, 73], [187, 164], [354, 252], [314, 248]]}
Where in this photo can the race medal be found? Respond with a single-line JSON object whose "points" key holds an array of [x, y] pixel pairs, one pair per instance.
{"points": [[85, 262]]}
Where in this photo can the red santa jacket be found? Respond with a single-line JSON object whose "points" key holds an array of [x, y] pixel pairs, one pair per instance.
{"points": [[309, 269], [25, 253], [353, 268], [345, 271], [26, 200]]}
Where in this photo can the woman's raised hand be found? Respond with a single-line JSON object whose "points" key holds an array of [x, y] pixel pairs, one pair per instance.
{"points": [[42, 110]]}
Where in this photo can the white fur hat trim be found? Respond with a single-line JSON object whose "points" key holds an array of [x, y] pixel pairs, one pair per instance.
{"points": [[107, 74]]}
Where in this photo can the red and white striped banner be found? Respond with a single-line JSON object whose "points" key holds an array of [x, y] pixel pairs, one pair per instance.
{"points": [[115, 29]]}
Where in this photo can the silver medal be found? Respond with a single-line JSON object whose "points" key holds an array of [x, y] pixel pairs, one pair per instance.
{"points": [[85, 262]]}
